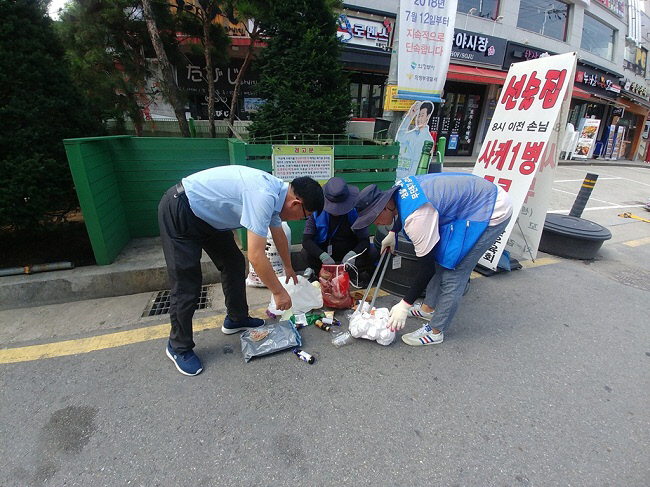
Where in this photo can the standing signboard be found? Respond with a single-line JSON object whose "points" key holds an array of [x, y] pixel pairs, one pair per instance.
{"points": [[426, 33], [292, 161], [618, 143], [586, 139], [521, 147], [609, 142]]}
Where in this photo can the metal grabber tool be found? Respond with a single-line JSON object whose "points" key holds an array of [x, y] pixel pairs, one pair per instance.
{"points": [[388, 255]]}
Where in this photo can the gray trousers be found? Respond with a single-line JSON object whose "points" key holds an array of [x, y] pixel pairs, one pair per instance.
{"points": [[184, 236], [446, 287]]}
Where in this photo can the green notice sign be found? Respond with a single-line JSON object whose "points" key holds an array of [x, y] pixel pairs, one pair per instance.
{"points": [[292, 161]]}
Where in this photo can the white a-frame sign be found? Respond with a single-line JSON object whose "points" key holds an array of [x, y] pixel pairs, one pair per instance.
{"points": [[521, 148]]}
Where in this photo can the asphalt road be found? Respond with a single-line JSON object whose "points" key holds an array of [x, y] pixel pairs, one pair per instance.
{"points": [[543, 380]]}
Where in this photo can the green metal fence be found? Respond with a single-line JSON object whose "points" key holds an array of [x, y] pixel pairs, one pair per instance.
{"points": [[120, 179]]}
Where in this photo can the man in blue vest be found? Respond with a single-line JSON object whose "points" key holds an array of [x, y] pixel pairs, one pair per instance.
{"points": [[198, 214], [452, 220], [328, 237]]}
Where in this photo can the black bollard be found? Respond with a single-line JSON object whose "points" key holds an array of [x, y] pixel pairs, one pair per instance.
{"points": [[584, 194]]}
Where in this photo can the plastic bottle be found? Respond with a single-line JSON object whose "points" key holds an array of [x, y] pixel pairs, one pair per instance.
{"points": [[341, 339]]}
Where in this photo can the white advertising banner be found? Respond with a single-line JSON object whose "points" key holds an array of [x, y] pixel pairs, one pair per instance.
{"points": [[520, 150], [426, 34]]}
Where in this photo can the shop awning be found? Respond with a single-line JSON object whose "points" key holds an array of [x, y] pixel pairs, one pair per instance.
{"points": [[460, 72], [642, 102], [580, 93]]}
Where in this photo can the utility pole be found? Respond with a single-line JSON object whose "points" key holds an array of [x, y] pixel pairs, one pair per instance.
{"points": [[393, 116]]}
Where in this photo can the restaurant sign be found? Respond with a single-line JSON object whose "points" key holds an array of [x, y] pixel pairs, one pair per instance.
{"points": [[516, 52], [597, 81], [474, 47], [358, 32]]}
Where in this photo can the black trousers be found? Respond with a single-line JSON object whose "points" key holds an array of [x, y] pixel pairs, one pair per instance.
{"points": [[184, 236], [365, 262]]}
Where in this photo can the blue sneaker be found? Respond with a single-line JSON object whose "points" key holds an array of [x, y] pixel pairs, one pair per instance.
{"points": [[231, 326], [187, 363]]}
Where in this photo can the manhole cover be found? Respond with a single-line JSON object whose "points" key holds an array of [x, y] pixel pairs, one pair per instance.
{"points": [[159, 302], [637, 278]]}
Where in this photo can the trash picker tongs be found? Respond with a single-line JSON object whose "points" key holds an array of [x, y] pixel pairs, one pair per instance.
{"points": [[377, 284]]}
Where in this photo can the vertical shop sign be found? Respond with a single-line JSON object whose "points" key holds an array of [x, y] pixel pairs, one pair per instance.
{"points": [[292, 161], [521, 147], [426, 34], [586, 138]]}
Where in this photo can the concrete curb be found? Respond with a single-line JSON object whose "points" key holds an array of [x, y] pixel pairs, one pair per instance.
{"points": [[140, 268]]}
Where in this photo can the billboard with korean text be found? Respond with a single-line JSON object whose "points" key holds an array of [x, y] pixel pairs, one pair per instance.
{"points": [[521, 148], [426, 33]]}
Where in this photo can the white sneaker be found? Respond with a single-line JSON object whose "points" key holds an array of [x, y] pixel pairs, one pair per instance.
{"points": [[423, 336], [416, 310]]}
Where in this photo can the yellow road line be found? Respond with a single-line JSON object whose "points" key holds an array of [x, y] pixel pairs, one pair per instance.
{"points": [[99, 342], [637, 243], [529, 264], [121, 338]]}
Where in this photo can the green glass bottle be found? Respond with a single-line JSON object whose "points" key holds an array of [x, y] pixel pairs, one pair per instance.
{"points": [[423, 165]]}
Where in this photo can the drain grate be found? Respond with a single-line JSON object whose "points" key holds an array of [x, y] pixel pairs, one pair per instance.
{"points": [[159, 302]]}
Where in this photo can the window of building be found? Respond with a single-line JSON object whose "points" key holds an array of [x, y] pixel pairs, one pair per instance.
{"points": [[547, 18], [481, 8], [597, 38], [367, 93]]}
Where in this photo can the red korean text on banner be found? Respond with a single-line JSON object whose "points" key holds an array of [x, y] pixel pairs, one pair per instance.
{"points": [[552, 87]]}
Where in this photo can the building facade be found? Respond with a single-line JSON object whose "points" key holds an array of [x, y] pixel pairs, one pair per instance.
{"points": [[609, 36]]}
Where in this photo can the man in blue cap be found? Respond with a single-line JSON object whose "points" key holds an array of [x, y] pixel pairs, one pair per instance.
{"points": [[199, 213], [452, 219], [328, 237]]}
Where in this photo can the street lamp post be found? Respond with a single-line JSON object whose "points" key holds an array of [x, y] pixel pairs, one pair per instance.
{"points": [[471, 11], [500, 17]]}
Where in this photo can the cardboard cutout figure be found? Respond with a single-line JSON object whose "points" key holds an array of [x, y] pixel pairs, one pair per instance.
{"points": [[411, 141]]}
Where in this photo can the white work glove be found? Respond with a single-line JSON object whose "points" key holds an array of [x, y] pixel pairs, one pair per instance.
{"points": [[397, 317], [388, 242], [349, 258], [326, 259]]}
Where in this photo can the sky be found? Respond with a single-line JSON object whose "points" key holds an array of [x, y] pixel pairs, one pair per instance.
{"points": [[55, 5]]}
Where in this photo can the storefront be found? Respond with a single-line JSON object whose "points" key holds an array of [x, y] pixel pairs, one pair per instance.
{"points": [[192, 79], [367, 37], [635, 107], [474, 73], [601, 88]]}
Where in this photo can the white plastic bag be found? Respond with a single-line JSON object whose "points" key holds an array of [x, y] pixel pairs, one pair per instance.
{"points": [[253, 280], [304, 296], [372, 326]]}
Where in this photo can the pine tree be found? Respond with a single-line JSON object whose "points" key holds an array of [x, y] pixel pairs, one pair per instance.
{"points": [[39, 107], [302, 80]]}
